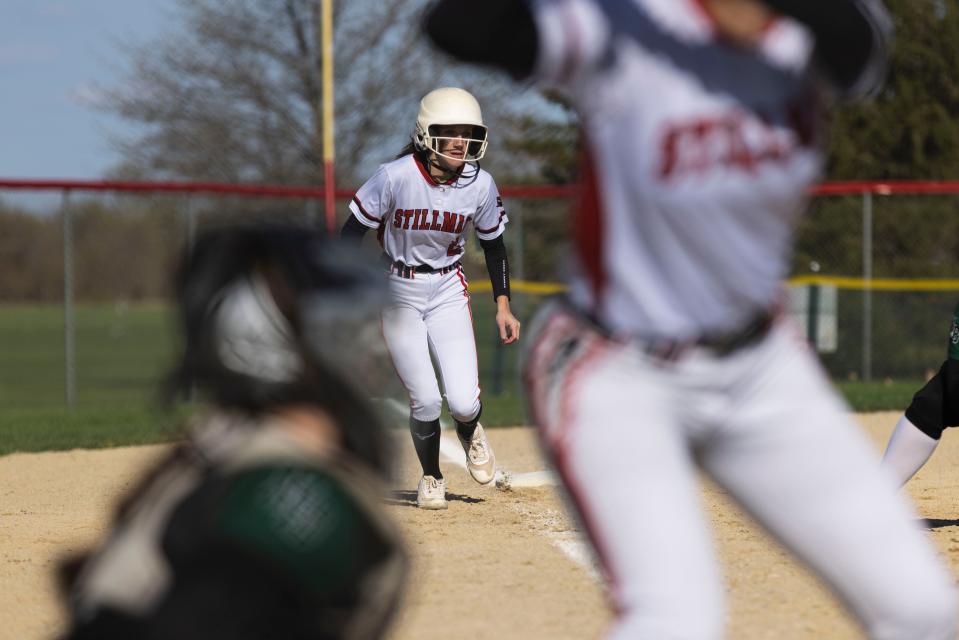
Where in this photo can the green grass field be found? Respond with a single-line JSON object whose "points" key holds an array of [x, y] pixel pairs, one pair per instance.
{"points": [[122, 350]]}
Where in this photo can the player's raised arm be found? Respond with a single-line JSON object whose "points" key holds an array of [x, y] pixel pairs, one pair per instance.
{"points": [[499, 33], [852, 36], [852, 39]]}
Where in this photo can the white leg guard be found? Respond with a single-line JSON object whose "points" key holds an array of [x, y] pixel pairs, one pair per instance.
{"points": [[907, 451]]}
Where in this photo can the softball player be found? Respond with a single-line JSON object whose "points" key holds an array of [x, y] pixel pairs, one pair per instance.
{"points": [[267, 522], [422, 205], [933, 408], [702, 133]]}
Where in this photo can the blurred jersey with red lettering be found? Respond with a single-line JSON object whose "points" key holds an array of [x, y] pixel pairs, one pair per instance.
{"points": [[422, 221], [697, 158]]}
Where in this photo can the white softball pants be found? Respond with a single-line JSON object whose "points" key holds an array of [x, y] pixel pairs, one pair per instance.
{"points": [[628, 432], [430, 314]]}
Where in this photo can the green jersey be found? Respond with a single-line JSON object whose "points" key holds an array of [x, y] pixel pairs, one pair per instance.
{"points": [[243, 534]]}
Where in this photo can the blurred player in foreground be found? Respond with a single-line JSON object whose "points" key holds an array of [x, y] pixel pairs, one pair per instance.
{"points": [[267, 521], [934, 407], [423, 204], [702, 134]]}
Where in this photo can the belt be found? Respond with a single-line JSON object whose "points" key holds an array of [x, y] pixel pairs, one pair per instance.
{"points": [[669, 349], [408, 271], [721, 344]]}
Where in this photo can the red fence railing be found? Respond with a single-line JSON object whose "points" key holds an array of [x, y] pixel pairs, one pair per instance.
{"points": [[839, 188]]}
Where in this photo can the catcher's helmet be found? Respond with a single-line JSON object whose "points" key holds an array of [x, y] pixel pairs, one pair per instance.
{"points": [[269, 312], [449, 106]]}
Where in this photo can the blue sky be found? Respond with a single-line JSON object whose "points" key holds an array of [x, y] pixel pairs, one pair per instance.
{"points": [[55, 57]]}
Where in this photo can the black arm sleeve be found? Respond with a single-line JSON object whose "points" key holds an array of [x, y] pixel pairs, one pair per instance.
{"points": [[950, 372], [497, 265], [851, 38], [353, 230], [499, 33]]}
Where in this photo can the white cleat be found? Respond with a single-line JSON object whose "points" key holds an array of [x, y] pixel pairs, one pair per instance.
{"points": [[431, 493], [479, 456]]}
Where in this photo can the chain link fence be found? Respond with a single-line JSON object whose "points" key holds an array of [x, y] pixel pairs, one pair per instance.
{"points": [[84, 283]]}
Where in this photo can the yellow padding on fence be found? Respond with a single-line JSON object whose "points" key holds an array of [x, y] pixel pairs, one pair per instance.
{"points": [[523, 286], [881, 284], [840, 282]]}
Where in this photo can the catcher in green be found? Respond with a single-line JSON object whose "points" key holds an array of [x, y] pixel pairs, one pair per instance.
{"points": [[267, 521], [933, 408]]}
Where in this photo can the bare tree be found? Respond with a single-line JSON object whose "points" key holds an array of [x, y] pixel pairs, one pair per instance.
{"points": [[234, 92]]}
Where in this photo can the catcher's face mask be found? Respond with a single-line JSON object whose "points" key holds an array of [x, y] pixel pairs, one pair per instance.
{"points": [[253, 337], [261, 303], [267, 321]]}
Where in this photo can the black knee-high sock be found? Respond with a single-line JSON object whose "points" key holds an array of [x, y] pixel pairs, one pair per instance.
{"points": [[426, 441], [465, 429]]}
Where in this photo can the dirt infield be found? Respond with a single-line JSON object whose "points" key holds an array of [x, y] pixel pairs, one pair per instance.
{"points": [[490, 566]]}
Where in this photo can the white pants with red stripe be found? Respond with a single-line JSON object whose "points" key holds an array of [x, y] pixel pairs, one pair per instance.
{"points": [[430, 314], [628, 432]]}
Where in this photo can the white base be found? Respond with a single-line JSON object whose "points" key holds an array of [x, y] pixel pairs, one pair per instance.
{"points": [[506, 481]]}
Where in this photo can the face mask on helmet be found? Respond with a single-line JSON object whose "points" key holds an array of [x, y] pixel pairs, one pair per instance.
{"points": [[450, 108], [260, 307], [459, 143], [253, 337], [342, 327]]}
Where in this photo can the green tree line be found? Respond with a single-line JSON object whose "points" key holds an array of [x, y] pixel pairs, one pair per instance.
{"points": [[123, 246]]}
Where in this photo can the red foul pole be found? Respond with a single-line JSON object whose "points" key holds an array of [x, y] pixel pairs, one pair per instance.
{"points": [[329, 180]]}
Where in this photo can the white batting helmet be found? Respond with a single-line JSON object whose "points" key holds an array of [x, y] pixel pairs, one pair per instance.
{"points": [[449, 106]]}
